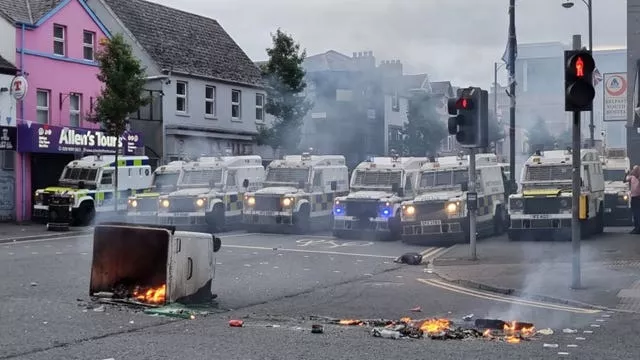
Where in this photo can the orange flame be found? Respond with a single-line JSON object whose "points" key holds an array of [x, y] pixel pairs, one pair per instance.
{"points": [[487, 333], [514, 336], [434, 326], [405, 320], [350, 322], [512, 339], [152, 296]]}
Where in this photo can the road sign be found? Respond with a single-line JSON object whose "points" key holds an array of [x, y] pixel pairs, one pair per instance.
{"points": [[615, 97], [19, 87]]}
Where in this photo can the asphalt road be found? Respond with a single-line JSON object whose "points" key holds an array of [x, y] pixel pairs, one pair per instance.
{"points": [[45, 312]]}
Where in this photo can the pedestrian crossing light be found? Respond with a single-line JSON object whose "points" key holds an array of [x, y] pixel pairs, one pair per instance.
{"points": [[578, 80], [469, 114]]}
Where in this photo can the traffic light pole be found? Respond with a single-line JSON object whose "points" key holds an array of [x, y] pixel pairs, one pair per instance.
{"points": [[575, 191], [472, 212]]}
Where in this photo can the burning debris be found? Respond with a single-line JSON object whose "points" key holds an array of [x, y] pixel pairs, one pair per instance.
{"points": [[443, 329]]}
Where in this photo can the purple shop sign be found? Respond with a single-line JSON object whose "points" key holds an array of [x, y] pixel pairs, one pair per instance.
{"points": [[42, 138]]}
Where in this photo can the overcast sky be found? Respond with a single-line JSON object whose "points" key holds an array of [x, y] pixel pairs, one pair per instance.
{"points": [[453, 40]]}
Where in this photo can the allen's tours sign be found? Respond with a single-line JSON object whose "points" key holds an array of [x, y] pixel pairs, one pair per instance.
{"points": [[41, 138]]}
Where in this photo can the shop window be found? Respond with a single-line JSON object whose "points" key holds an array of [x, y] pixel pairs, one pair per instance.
{"points": [[8, 160]]}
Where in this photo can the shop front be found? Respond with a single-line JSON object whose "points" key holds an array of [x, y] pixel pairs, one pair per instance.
{"points": [[44, 151], [8, 141]]}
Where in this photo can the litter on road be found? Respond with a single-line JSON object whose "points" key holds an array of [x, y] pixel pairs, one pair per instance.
{"points": [[546, 331], [569, 331]]}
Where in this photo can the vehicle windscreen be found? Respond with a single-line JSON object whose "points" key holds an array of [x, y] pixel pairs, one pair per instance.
{"points": [[537, 176], [614, 175], [287, 175], [164, 180], [440, 178], [380, 179], [202, 177], [79, 174]]}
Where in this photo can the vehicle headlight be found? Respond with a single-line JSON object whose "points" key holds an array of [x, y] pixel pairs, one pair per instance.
{"points": [[452, 208], [133, 203], [286, 202], [624, 197], [250, 200], [410, 210], [165, 203], [200, 202], [516, 204]]}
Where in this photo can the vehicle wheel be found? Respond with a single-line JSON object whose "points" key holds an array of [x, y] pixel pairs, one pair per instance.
{"points": [[86, 214], [499, 221], [302, 220], [216, 219]]}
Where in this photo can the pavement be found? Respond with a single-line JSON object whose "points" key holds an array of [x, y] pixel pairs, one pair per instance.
{"points": [[10, 232], [610, 269], [282, 280]]}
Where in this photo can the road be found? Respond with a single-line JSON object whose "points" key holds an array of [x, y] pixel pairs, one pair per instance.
{"points": [[45, 312]]}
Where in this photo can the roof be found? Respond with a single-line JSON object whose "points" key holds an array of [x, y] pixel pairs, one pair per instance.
{"points": [[168, 35], [442, 88], [27, 11], [6, 67], [329, 61], [389, 163]]}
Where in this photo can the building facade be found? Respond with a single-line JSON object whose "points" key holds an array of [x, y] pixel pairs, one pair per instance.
{"points": [[207, 95], [8, 140], [540, 92], [53, 44]]}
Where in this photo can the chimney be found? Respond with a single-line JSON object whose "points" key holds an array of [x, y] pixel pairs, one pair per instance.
{"points": [[391, 68], [365, 61]]}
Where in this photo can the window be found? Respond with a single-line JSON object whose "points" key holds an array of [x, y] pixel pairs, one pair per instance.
{"points": [[395, 103], [74, 109], [210, 101], [59, 39], [317, 179], [181, 96], [8, 161], [42, 106], [89, 40], [259, 107], [107, 178], [231, 178], [236, 103]]}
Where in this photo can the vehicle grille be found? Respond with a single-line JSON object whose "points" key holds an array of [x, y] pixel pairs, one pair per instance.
{"points": [[542, 205], [147, 204], [46, 198], [268, 203], [182, 204], [613, 200], [430, 209], [361, 209]]}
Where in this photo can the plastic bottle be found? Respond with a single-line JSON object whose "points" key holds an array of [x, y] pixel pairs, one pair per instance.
{"points": [[386, 333]]}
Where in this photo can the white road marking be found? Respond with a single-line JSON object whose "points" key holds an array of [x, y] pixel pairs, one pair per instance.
{"points": [[310, 251]]}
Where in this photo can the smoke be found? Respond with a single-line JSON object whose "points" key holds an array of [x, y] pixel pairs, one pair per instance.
{"points": [[548, 273]]}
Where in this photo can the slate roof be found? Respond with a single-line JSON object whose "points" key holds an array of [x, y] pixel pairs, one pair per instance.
{"points": [[6, 67], [27, 11], [329, 61], [186, 43]]}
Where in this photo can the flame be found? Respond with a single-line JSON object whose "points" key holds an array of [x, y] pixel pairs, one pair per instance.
{"points": [[350, 322], [487, 333], [514, 336], [434, 326], [152, 296], [512, 339], [405, 320]]}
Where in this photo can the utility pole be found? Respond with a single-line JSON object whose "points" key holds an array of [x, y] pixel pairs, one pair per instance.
{"points": [[512, 94], [592, 127], [472, 198]]}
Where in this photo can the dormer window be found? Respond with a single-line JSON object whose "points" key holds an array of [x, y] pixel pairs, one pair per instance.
{"points": [[59, 40]]}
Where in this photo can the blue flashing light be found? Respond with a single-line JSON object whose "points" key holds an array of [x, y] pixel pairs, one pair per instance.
{"points": [[386, 212], [338, 210]]}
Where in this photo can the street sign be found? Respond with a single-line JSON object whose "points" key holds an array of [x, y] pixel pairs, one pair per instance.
{"points": [[614, 101], [472, 200], [19, 87]]}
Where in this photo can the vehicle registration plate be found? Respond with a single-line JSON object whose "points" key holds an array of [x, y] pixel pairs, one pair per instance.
{"points": [[540, 216], [430, 222], [181, 214]]}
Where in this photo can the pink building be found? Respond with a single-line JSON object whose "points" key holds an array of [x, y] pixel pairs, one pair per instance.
{"points": [[55, 43]]}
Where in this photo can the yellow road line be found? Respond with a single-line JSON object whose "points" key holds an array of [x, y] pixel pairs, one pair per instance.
{"points": [[428, 252], [504, 298]]}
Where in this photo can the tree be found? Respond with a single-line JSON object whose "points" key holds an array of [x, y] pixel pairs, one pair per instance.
{"points": [[284, 80], [123, 80], [424, 130], [539, 136]]}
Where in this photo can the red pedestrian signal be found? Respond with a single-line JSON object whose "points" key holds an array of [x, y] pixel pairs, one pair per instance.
{"points": [[463, 104], [578, 80], [579, 67]]}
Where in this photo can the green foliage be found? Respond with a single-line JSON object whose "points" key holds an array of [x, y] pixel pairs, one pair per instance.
{"points": [[284, 80], [539, 136], [425, 129], [123, 81]]}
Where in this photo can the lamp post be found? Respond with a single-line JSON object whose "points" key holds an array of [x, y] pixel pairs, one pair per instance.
{"points": [[567, 5]]}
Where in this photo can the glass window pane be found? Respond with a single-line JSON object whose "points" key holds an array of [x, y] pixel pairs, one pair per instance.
{"points": [[259, 99], [88, 53], [58, 48], [58, 32], [209, 108], [209, 92], [180, 104], [43, 99], [74, 120], [42, 116], [74, 102], [181, 88], [235, 111], [88, 37], [235, 96], [258, 114]]}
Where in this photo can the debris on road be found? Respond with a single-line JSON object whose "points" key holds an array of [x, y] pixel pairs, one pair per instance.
{"points": [[386, 333], [34, 283], [569, 331], [546, 331], [99, 309], [416, 309], [550, 345], [317, 329], [411, 258], [467, 317], [236, 323]]}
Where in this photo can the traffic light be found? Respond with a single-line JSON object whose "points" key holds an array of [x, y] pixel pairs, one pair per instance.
{"points": [[469, 117], [578, 80]]}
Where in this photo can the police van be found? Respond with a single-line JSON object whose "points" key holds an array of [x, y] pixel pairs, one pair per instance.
{"points": [[297, 195], [617, 198], [378, 187], [543, 206], [210, 192], [143, 207], [439, 212], [87, 185]]}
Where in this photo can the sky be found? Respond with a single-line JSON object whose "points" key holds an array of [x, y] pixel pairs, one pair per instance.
{"points": [[456, 40]]}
